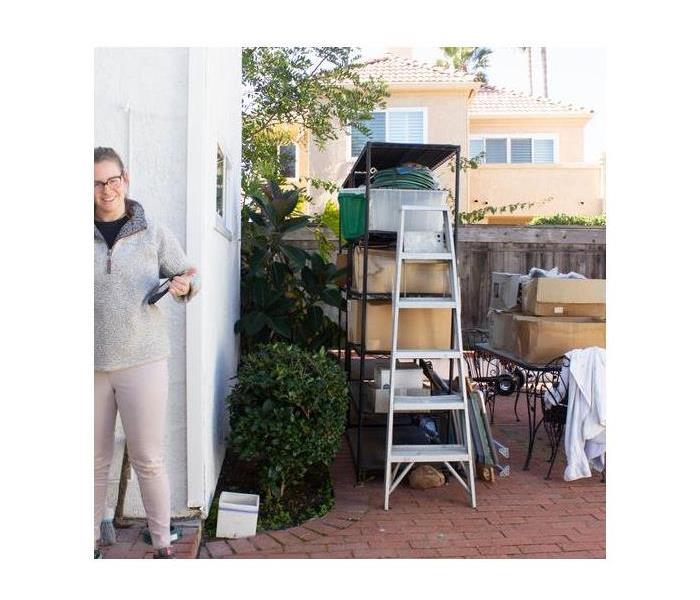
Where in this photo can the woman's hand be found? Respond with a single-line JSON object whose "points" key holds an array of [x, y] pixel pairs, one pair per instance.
{"points": [[180, 284]]}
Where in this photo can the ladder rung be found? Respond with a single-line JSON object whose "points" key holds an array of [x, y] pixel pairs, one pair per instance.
{"points": [[430, 453], [437, 353], [426, 208], [427, 303], [420, 403], [425, 256]]}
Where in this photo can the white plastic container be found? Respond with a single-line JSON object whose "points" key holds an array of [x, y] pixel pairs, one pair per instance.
{"points": [[405, 378], [385, 209], [238, 515]]}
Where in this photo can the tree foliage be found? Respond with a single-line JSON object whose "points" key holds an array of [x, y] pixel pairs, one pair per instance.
{"points": [[469, 59], [288, 90], [283, 287]]}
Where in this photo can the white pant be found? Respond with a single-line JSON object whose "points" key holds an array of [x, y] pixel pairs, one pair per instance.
{"points": [[140, 395]]}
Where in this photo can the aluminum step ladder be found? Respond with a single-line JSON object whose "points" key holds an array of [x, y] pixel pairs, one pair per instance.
{"points": [[456, 402]]}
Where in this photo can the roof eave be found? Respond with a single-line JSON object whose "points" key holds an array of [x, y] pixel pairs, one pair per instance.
{"points": [[532, 115], [426, 86]]}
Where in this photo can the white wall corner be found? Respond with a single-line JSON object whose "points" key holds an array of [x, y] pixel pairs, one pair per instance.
{"points": [[196, 156]]}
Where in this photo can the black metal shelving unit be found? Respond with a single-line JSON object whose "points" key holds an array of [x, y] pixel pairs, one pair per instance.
{"points": [[367, 432]]}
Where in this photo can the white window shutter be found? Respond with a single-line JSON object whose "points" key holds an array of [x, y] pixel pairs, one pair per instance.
{"points": [[377, 127], [521, 150], [476, 147], [405, 127], [496, 150], [544, 151]]}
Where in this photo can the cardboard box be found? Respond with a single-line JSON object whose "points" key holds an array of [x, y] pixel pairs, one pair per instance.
{"points": [[502, 330], [541, 339], [419, 328], [406, 377], [380, 398], [417, 278], [558, 297], [504, 291]]}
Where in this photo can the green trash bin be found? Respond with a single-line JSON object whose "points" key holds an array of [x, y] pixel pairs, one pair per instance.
{"points": [[352, 214]]}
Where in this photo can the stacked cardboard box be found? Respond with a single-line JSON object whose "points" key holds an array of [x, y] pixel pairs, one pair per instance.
{"points": [[423, 277], [419, 328], [555, 315]]}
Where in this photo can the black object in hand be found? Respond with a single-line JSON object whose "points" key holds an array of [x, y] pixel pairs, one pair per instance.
{"points": [[160, 291]]}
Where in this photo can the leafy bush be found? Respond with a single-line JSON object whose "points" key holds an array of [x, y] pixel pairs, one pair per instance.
{"points": [[283, 287], [562, 219], [330, 216], [479, 214], [287, 413]]}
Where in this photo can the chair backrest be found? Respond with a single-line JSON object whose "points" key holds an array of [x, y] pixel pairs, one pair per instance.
{"points": [[549, 383]]}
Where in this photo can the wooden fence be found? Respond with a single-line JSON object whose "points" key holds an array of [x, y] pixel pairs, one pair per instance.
{"points": [[483, 249]]}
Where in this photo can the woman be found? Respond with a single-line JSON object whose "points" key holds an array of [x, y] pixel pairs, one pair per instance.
{"points": [[131, 343]]}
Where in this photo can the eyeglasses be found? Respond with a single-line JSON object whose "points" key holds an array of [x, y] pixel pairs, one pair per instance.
{"points": [[113, 182]]}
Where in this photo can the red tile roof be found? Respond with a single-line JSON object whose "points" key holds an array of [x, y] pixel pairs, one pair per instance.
{"points": [[491, 100], [397, 69]]}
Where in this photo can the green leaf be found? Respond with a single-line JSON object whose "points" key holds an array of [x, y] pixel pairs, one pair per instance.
{"points": [[293, 224], [309, 281], [331, 296], [280, 271], [298, 256], [253, 322], [280, 324]]}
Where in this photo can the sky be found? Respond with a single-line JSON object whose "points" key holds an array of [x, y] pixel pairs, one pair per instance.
{"points": [[575, 75]]}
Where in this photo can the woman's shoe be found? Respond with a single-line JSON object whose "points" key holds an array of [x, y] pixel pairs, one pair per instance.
{"points": [[164, 553]]}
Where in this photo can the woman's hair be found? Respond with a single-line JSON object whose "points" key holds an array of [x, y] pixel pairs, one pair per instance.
{"points": [[102, 153]]}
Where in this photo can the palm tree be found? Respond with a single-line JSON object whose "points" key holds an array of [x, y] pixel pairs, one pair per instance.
{"points": [[529, 64], [543, 52], [469, 59]]}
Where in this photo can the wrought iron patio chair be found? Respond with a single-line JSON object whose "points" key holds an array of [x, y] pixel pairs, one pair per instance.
{"points": [[553, 392], [489, 374]]}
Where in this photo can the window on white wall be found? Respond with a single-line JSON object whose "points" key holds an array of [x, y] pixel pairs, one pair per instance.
{"points": [[224, 189], [220, 182], [514, 149], [400, 125], [288, 155]]}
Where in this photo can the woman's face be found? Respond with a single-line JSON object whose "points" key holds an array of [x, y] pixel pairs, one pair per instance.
{"points": [[110, 189]]}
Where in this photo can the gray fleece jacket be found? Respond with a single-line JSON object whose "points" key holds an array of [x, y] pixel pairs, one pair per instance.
{"points": [[129, 331]]}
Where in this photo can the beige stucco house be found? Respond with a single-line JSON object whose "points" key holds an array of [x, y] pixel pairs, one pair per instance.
{"points": [[533, 146]]}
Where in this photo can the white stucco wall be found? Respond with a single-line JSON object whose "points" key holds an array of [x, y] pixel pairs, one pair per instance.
{"points": [[214, 120], [143, 108]]}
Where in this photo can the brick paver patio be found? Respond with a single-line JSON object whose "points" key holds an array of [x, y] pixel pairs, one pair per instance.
{"points": [[130, 542], [522, 516]]}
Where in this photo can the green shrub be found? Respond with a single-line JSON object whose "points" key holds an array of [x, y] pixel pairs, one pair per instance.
{"points": [[330, 216], [562, 219], [283, 287], [287, 413]]}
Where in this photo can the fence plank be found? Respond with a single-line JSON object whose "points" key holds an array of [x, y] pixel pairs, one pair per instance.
{"points": [[483, 249]]}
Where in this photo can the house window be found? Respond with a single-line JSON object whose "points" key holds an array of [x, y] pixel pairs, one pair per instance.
{"points": [[288, 160], [543, 151], [514, 149], [400, 125], [224, 189], [220, 181], [496, 150]]}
